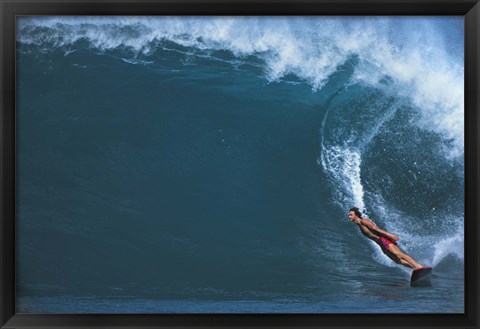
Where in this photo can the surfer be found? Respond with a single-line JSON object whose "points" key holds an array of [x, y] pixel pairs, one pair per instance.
{"points": [[386, 240]]}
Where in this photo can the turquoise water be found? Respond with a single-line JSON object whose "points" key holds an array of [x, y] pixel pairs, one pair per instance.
{"points": [[207, 165]]}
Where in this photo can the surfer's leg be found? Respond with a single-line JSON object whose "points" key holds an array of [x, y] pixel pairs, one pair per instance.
{"points": [[403, 257], [396, 259], [393, 257]]}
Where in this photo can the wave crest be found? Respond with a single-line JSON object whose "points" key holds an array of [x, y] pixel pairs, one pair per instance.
{"points": [[413, 54]]}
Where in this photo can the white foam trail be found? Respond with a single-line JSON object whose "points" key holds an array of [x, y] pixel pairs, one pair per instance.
{"points": [[344, 164]]}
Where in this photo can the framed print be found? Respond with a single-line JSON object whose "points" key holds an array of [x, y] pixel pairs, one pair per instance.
{"points": [[239, 164]]}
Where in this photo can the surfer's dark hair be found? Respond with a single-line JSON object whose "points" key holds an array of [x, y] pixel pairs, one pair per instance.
{"points": [[356, 211]]}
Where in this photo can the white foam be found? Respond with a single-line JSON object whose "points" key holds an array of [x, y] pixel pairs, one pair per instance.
{"points": [[344, 165], [451, 245], [424, 71]]}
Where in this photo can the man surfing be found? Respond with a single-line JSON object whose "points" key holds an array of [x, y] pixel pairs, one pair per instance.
{"points": [[386, 241]]}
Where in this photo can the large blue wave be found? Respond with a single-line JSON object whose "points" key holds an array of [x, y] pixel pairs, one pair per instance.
{"points": [[322, 113]]}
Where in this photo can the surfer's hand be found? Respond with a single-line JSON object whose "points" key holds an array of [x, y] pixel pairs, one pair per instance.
{"points": [[395, 238]]}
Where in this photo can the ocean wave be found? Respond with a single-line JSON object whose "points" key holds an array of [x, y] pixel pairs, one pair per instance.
{"points": [[411, 53], [395, 65]]}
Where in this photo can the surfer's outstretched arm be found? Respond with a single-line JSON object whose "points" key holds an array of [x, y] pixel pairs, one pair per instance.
{"points": [[372, 226]]}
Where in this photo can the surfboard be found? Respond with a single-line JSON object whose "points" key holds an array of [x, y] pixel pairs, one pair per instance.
{"points": [[421, 277]]}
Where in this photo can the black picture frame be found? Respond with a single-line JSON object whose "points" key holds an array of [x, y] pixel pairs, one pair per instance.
{"points": [[9, 9]]}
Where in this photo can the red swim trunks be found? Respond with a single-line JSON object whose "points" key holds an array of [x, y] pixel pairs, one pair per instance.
{"points": [[385, 244]]}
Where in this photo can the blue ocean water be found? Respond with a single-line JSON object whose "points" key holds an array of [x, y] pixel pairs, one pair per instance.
{"points": [[207, 165]]}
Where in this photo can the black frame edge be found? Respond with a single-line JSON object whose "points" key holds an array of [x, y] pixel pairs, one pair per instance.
{"points": [[472, 157], [7, 167], [244, 7]]}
